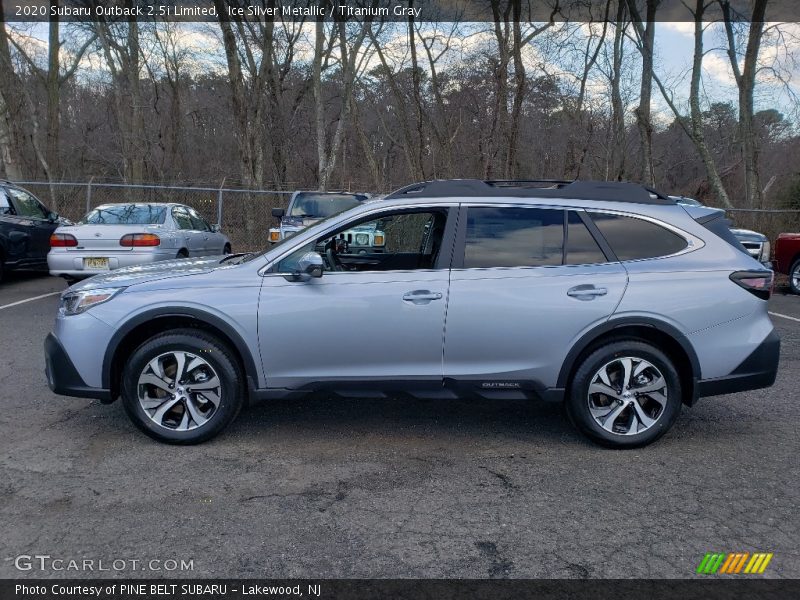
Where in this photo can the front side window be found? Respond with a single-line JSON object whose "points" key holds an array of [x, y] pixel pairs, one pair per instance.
{"points": [[182, 218], [631, 238], [5, 207], [398, 241], [125, 214], [27, 205], [198, 222], [513, 237]]}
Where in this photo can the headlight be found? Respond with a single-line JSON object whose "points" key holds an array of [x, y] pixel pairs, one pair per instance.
{"points": [[74, 303], [765, 252], [362, 239]]}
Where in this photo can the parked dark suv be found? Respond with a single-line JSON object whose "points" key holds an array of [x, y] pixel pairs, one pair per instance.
{"points": [[25, 228]]}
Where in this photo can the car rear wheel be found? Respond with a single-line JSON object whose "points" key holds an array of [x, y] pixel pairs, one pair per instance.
{"points": [[182, 387], [183, 253], [794, 277], [626, 394], [226, 249]]}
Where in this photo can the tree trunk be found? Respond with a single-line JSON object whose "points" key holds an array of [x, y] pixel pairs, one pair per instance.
{"points": [[647, 33], [745, 81]]}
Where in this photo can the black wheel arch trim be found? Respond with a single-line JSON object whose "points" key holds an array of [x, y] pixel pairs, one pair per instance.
{"points": [[250, 369], [609, 326]]}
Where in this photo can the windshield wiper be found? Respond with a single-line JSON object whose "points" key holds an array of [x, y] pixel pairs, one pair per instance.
{"points": [[237, 255]]}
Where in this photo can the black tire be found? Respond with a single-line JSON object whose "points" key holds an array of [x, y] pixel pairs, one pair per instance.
{"points": [[183, 253], [226, 249], [577, 400], [795, 268], [216, 354]]}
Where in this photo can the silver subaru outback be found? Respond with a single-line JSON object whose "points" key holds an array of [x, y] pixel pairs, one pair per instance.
{"points": [[608, 297]]}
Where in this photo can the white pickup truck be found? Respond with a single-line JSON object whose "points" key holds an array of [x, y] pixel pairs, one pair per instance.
{"points": [[307, 208]]}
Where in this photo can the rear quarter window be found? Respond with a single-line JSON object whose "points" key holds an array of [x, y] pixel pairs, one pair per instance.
{"points": [[632, 239]]}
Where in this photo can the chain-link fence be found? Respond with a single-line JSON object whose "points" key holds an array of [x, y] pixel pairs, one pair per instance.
{"points": [[244, 215], [770, 222]]}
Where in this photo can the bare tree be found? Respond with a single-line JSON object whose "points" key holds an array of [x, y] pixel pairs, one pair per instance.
{"points": [[695, 128], [646, 35], [745, 81]]}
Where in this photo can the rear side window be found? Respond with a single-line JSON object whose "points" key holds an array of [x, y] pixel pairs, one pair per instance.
{"points": [[582, 249], [632, 238], [513, 237]]}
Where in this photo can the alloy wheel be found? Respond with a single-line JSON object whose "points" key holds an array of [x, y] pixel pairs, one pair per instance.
{"points": [[179, 391], [627, 395]]}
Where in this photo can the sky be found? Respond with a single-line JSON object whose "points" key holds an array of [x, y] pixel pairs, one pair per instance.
{"points": [[674, 48]]}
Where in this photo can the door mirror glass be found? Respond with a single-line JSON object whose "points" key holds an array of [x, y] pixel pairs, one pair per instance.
{"points": [[215, 228], [310, 265], [278, 212], [52, 217]]}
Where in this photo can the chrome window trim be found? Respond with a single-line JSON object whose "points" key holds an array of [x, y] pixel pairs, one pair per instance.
{"points": [[692, 242]]}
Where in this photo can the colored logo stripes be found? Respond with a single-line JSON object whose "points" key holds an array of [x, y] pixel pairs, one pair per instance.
{"points": [[734, 562]]}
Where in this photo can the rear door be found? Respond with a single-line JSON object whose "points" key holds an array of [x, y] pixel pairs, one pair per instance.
{"points": [[527, 282], [33, 218]]}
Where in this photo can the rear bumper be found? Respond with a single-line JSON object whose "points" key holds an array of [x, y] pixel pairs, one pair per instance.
{"points": [[72, 264], [756, 371], [62, 376]]}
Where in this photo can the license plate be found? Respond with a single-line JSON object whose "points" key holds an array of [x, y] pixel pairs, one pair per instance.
{"points": [[95, 263]]}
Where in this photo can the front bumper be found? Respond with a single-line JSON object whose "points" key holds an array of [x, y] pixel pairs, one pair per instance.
{"points": [[62, 376], [72, 264], [756, 371]]}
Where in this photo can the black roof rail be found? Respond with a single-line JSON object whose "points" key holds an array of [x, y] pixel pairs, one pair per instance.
{"points": [[616, 191]]}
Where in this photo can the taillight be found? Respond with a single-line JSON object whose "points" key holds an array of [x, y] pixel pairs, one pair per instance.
{"points": [[63, 240], [758, 283], [139, 239]]}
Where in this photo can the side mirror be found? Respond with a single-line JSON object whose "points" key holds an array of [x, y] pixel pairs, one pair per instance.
{"points": [[278, 212], [52, 217], [216, 228], [310, 265]]}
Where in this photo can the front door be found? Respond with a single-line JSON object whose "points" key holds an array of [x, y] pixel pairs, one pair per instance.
{"points": [[521, 294], [33, 219], [373, 320]]}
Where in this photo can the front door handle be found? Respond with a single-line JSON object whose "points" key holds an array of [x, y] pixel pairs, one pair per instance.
{"points": [[586, 292], [421, 296]]}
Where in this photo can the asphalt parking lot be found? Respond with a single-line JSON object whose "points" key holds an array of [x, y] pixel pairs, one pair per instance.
{"points": [[390, 488]]}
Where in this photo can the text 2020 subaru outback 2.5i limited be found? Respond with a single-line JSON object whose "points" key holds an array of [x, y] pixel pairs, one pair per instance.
{"points": [[608, 296]]}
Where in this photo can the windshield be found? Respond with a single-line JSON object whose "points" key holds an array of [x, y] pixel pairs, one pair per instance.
{"points": [[310, 204], [125, 214]]}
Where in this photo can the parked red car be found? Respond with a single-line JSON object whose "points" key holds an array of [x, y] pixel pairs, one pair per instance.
{"points": [[787, 258]]}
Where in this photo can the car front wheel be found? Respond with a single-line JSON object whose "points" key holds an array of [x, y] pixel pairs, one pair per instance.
{"points": [[182, 387], [626, 394]]}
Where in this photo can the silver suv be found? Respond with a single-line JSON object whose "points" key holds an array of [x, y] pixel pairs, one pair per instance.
{"points": [[608, 297]]}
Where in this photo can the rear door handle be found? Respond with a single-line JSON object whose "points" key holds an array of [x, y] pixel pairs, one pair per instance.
{"points": [[586, 292], [421, 296]]}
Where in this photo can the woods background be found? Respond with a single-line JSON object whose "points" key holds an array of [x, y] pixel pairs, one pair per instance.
{"points": [[372, 105]]}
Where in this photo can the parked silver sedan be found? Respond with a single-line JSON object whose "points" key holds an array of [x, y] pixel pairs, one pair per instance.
{"points": [[123, 235]]}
